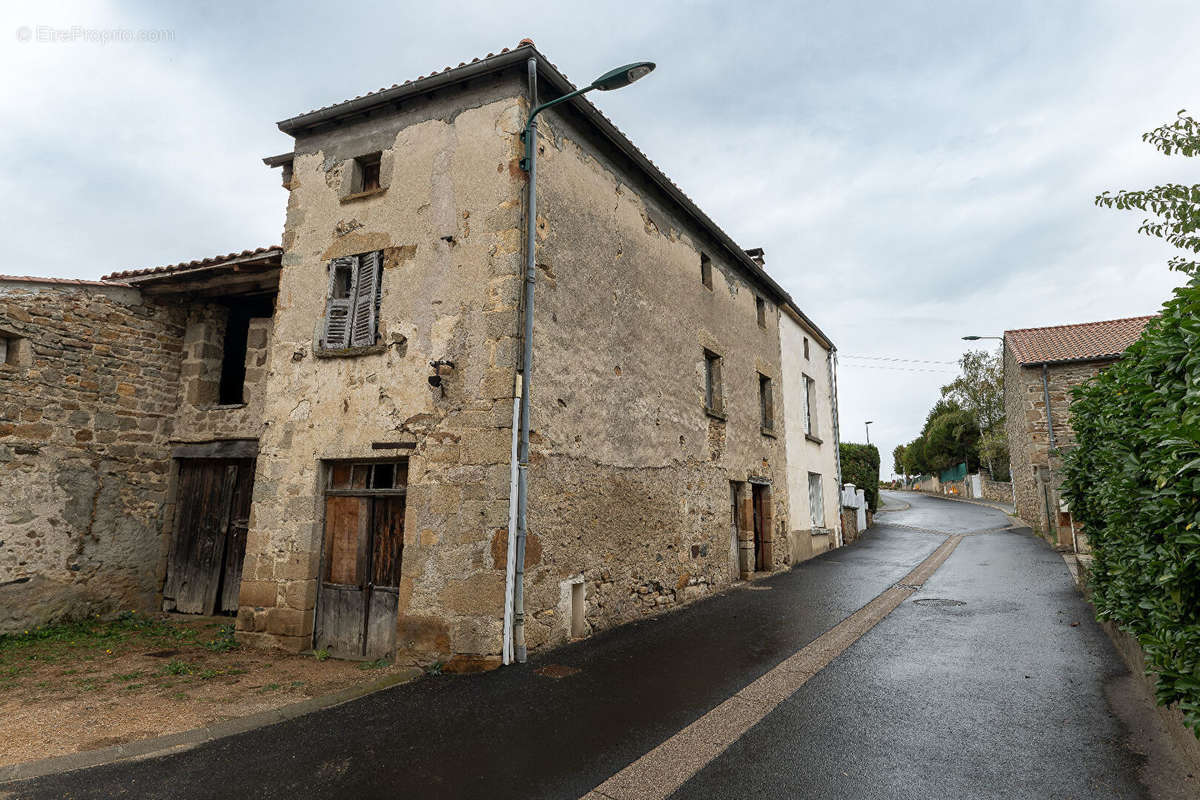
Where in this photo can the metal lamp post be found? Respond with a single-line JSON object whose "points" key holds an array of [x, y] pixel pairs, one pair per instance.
{"points": [[613, 79], [870, 422]]}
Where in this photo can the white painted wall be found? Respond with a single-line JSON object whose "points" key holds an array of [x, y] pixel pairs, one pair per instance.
{"points": [[804, 455]]}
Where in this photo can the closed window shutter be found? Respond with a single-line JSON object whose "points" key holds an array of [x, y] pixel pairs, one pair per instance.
{"points": [[337, 309], [807, 410], [816, 500], [366, 291]]}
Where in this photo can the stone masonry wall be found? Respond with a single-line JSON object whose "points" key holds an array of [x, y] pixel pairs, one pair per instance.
{"points": [[447, 218], [1028, 432], [84, 464], [630, 480], [201, 417]]}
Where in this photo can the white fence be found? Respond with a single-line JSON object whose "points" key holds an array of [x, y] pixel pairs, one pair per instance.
{"points": [[856, 499]]}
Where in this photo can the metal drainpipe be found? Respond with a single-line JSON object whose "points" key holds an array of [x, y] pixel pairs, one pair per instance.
{"points": [[526, 375], [837, 447]]}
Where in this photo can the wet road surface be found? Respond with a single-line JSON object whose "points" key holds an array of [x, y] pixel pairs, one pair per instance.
{"points": [[976, 686]]}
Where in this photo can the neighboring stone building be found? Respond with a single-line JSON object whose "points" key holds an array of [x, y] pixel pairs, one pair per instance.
{"points": [[1041, 366], [345, 402]]}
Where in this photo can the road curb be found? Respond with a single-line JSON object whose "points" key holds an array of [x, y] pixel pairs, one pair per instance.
{"points": [[186, 740]]}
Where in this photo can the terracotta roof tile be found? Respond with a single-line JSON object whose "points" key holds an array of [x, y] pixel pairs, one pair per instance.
{"points": [[1087, 341], [211, 261]]}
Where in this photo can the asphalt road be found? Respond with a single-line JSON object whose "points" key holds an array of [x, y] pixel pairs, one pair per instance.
{"points": [[991, 695]]}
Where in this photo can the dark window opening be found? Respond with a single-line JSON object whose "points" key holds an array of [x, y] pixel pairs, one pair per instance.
{"points": [[343, 275], [766, 402], [706, 271], [232, 389], [10, 350], [760, 306], [806, 347], [713, 401], [368, 173]]}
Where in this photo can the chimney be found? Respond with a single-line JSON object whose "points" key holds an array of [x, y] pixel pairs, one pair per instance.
{"points": [[756, 253]]}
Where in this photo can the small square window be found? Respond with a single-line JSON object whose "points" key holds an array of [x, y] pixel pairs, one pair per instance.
{"points": [[706, 271], [11, 350], [367, 169], [760, 306]]}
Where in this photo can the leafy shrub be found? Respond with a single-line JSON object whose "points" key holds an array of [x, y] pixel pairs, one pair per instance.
{"points": [[1134, 484], [860, 466]]}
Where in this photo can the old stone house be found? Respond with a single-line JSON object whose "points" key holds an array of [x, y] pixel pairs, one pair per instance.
{"points": [[1041, 366], [319, 436]]}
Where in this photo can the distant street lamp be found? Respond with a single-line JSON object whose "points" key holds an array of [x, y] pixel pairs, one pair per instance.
{"points": [[868, 427], [613, 79]]}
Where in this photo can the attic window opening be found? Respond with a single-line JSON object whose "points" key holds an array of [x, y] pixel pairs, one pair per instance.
{"points": [[760, 307], [368, 173], [706, 271]]}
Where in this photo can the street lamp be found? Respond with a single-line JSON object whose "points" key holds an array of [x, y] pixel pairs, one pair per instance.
{"points": [[868, 427], [613, 79]]}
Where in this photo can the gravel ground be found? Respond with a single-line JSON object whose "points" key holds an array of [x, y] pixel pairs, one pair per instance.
{"points": [[80, 687]]}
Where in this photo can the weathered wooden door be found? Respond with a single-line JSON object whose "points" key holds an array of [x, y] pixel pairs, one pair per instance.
{"points": [[212, 511], [360, 572], [760, 533]]}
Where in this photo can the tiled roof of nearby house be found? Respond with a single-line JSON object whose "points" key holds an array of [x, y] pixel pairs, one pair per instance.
{"points": [[364, 104], [58, 281], [257, 254], [1087, 341]]}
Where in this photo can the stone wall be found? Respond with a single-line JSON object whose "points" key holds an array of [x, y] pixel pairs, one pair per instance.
{"points": [[201, 416], [995, 491], [84, 464], [447, 217], [1036, 468], [630, 488]]}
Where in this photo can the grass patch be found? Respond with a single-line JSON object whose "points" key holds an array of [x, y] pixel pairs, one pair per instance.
{"points": [[378, 663], [177, 667]]}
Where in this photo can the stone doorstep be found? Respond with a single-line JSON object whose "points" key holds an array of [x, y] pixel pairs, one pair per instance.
{"points": [[186, 740]]}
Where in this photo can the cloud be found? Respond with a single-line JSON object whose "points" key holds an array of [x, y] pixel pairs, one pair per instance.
{"points": [[915, 171]]}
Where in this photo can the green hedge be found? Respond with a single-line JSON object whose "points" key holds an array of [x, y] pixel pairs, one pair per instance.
{"points": [[860, 466], [1134, 483]]}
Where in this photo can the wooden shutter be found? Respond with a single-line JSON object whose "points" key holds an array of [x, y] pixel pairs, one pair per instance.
{"points": [[338, 309], [366, 290], [807, 408], [816, 500]]}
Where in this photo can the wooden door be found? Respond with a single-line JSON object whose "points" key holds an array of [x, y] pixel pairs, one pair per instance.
{"points": [[360, 577], [760, 549], [212, 509]]}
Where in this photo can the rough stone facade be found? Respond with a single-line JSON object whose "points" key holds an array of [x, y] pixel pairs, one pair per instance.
{"points": [[85, 417], [631, 480], [447, 217], [201, 416], [1036, 467]]}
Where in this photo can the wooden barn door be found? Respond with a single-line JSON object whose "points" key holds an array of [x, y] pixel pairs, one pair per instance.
{"points": [[212, 513], [360, 571]]}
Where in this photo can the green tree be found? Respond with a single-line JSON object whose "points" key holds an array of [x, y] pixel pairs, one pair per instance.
{"points": [[898, 466], [980, 390], [1175, 207], [860, 466], [1133, 480]]}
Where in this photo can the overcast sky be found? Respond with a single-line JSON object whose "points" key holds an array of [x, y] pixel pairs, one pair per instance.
{"points": [[915, 171]]}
